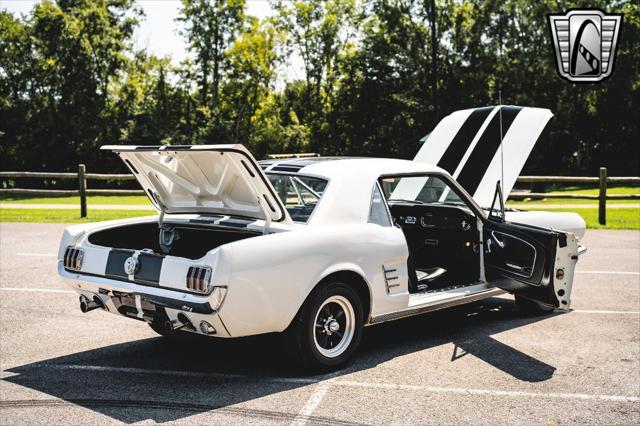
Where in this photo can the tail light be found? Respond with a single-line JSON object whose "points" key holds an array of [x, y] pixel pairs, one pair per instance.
{"points": [[73, 258], [198, 279]]}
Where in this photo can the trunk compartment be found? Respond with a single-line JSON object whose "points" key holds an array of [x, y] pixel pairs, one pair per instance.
{"points": [[193, 242]]}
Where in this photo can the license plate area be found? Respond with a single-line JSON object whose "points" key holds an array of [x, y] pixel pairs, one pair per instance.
{"points": [[134, 306]]}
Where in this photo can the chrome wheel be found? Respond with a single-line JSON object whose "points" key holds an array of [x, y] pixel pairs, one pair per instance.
{"points": [[334, 326]]}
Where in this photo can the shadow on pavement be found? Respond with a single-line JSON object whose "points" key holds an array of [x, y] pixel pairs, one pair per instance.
{"points": [[201, 375]]}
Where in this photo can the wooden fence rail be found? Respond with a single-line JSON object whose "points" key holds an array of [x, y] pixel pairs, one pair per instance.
{"points": [[82, 176]]}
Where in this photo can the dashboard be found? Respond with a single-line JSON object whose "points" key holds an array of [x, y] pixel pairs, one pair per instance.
{"points": [[433, 217]]}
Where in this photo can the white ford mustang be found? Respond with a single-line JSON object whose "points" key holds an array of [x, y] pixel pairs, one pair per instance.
{"points": [[318, 248]]}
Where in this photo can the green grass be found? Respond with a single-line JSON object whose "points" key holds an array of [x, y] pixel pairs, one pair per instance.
{"points": [[593, 190], [623, 218], [617, 218], [94, 199], [143, 200], [590, 190], [66, 216]]}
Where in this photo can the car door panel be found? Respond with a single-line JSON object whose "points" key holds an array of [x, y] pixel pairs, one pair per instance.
{"points": [[535, 263]]}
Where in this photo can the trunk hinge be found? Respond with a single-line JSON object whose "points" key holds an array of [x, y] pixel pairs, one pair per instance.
{"points": [[168, 235], [267, 218], [161, 216]]}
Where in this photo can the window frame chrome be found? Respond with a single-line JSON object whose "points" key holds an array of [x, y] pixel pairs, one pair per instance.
{"points": [[294, 175]]}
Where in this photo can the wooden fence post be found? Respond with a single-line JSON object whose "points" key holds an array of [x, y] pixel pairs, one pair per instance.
{"points": [[602, 197], [82, 189]]}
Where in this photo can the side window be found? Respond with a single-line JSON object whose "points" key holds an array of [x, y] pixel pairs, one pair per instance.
{"points": [[299, 194], [378, 213], [420, 190]]}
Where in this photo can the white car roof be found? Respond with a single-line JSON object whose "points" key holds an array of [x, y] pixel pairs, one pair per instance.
{"points": [[329, 167], [347, 197]]}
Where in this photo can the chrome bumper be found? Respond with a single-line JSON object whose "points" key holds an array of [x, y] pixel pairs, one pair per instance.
{"points": [[196, 308]]}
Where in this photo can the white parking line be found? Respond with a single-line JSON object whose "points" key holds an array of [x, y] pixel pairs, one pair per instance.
{"points": [[37, 254], [131, 370], [326, 381], [609, 272], [490, 392], [586, 311], [312, 403], [35, 290]]}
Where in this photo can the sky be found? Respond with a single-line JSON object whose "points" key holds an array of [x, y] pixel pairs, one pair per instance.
{"points": [[158, 31]]}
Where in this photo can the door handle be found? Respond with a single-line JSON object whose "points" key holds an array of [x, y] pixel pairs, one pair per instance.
{"points": [[500, 244], [514, 266]]}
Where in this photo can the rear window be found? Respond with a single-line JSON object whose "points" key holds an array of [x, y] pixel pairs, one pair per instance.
{"points": [[299, 194]]}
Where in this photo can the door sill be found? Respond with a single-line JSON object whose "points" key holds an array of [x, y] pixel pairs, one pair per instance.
{"points": [[427, 302]]}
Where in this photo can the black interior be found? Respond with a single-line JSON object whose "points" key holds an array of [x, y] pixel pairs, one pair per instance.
{"points": [[521, 258], [439, 237], [193, 242]]}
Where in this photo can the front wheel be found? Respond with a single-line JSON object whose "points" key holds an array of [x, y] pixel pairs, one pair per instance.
{"points": [[328, 328]]}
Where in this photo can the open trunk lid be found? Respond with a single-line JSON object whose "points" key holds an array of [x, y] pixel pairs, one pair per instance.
{"points": [[203, 179]]}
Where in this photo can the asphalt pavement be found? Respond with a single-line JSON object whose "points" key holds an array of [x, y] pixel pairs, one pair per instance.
{"points": [[483, 363]]}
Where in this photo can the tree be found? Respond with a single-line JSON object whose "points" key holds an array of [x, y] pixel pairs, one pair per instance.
{"points": [[321, 33], [378, 75], [69, 52], [252, 70], [210, 28]]}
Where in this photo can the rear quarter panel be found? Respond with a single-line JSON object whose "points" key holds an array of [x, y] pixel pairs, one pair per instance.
{"points": [[272, 276]]}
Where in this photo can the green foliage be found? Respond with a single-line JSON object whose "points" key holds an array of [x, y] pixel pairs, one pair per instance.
{"points": [[67, 216], [378, 75]]}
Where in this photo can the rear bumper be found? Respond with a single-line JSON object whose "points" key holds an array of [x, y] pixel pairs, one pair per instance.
{"points": [[195, 308]]}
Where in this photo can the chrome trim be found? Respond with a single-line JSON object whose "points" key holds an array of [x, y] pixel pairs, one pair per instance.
{"points": [[387, 278], [581, 249], [498, 242], [307, 187], [448, 179], [195, 283], [447, 303], [314, 176], [521, 268], [73, 257], [93, 282]]}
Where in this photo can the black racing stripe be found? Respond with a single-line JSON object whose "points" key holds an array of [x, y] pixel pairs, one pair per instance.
{"points": [[486, 148], [115, 263], [287, 168], [462, 140], [150, 267], [236, 223]]}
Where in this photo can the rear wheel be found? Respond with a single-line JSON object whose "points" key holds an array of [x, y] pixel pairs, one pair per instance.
{"points": [[328, 328], [531, 307]]}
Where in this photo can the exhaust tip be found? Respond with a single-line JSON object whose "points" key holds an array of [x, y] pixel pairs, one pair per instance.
{"points": [[207, 328], [87, 305], [170, 326]]}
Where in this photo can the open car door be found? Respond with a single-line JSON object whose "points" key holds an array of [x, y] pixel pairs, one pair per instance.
{"points": [[535, 263]]}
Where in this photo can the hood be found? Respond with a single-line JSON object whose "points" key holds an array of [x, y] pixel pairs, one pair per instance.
{"points": [[467, 145], [203, 179]]}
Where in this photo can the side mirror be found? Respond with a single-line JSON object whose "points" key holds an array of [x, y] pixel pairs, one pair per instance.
{"points": [[497, 212]]}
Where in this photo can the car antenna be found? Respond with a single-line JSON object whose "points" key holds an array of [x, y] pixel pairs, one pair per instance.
{"points": [[501, 136]]}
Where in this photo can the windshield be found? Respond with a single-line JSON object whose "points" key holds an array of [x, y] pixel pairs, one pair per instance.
{"points": [[298, 193], [420, 190]]}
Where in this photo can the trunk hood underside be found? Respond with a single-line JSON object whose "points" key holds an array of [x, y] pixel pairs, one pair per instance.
{"points": [[204, 179]]}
